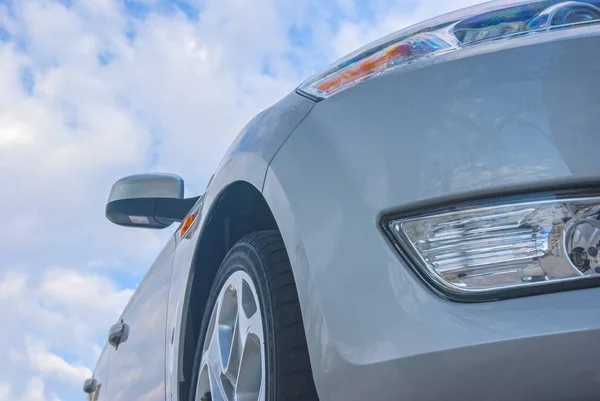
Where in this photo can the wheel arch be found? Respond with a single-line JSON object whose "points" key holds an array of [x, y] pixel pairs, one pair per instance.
{"points": [[239, 209]]}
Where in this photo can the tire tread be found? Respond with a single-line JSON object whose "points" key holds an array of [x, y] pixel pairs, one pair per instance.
{"points": [[295, 380]]}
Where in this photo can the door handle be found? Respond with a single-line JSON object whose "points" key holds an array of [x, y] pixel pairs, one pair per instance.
{"points": [[118, 334], [89, 386]]}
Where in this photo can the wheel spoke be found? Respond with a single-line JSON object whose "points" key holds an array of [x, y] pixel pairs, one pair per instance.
{"points": [[211, 330], [250, 376], [212, 357], [227, 317], [203, 381], [217, 392], [235, 355]]}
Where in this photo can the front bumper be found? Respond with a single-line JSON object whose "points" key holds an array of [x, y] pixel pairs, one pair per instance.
{"points": [[507, 116], [539, 348]]}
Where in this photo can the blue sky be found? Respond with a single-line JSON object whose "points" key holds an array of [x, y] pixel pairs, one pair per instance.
{"points": [[93, 90]]}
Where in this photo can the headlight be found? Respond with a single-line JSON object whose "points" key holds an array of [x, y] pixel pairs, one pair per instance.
{"points": [[518, 247], [451, 33]]}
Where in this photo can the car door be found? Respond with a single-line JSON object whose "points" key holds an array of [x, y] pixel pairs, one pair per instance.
{"points": [[137, 364]]}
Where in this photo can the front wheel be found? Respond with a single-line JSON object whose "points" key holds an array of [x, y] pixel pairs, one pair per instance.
{"points": [[252, 345]]}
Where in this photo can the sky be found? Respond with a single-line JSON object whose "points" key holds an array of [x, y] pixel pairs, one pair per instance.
{"points": [[94, 90]]}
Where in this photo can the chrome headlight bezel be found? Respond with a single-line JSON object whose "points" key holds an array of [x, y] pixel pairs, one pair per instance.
{"points": [[557, 191]]}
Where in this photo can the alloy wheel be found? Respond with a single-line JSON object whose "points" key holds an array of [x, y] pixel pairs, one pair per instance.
{"points": [[233, 359]]}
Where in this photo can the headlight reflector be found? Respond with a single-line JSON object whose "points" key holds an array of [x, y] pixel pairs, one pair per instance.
{"points": [[504, 247], [449, 33]]}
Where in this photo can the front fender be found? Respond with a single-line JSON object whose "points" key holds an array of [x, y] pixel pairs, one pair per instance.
{"points": [[246, 160]]}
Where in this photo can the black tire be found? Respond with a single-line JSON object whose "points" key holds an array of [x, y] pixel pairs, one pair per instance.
{"points": [[287, 366]]}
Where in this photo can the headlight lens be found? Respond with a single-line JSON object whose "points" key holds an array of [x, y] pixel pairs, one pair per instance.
{"points": [[457, 30], [504, 247]]}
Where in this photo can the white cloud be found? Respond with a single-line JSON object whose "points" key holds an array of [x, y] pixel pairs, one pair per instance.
{"points": [[89, 94], [34, 391], [5, 391], [55, 367], [354, 34], [13, 285], [60, 317], [68, 289]]}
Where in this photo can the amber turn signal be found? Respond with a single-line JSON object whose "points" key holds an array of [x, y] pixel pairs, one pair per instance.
{"points": [[187, 223]]}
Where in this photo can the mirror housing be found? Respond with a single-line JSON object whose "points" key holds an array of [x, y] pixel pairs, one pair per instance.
{"points": [[148, 200]]}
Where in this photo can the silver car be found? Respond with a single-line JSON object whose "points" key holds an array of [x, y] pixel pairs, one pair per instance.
{"points": [[420, 221]]}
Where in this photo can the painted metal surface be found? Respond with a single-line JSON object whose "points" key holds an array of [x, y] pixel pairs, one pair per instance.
{"points": [[101, 375], [518, 114], [246, 160], [147, 186], [136, 367]]}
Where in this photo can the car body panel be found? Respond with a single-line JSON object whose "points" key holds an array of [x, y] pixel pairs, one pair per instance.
{"points": [[253, 149], [246, 160], [136, 367], [101, 375], [516, 113]]}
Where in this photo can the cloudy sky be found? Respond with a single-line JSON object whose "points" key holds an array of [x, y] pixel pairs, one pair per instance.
{"points": [[92, 90]]}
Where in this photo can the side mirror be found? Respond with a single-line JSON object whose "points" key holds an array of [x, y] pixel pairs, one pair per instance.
{"points": [[148, 200]]}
